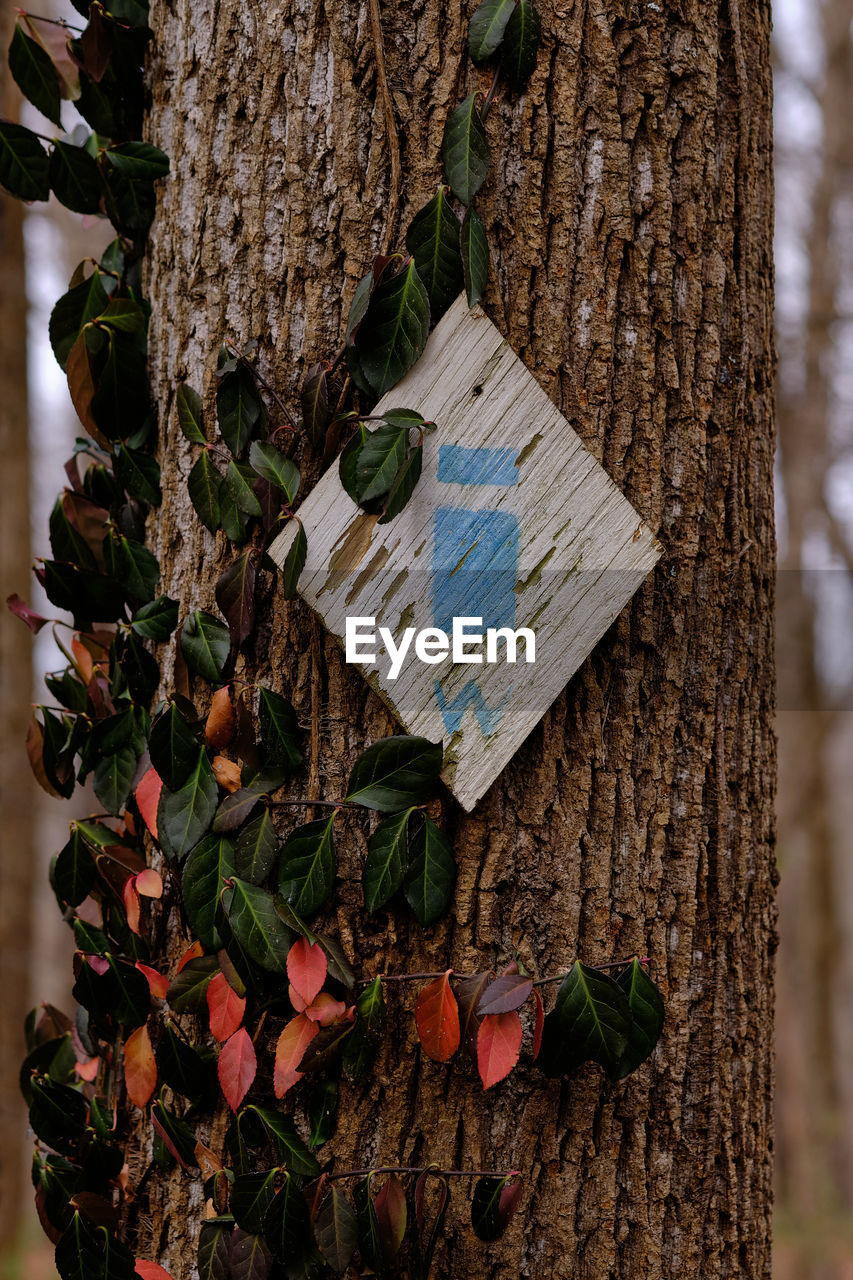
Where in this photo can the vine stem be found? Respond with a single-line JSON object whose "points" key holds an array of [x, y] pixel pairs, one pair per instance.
{"points": [[490, 96], [54, 22], [259, 377], [429, 1168], [538, 982], [390, 126], [308, 804]]}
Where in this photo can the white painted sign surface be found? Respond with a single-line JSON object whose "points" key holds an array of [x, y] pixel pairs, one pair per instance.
{"points": [[512, 521]]}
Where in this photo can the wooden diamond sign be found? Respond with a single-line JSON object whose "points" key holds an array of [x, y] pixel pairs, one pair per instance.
{"points": [[469, 612]]}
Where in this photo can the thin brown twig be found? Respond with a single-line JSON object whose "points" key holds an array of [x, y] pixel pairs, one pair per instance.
{"points": [[429, 1168], [390, 126]]}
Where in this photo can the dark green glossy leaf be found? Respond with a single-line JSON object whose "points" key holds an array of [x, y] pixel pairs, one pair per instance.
{"points": [[23, 163], [185, 815], [431, 874], [235, 595], [249, 1257], [487, 28], [234, 521], [251, 1196], [206, 645], [252, 916], [257, 849], [387, 860], [322, 1110], [75, 178], [133, 565], [279, 730], [53, 1058], [294, 562], [287, 1225], [90, 597], [190, 415], [361, 1048], [520, 45], [156, 620], [465, 150], [113, 777], [379, 459], [475, 256], [348, 462], [214, 1244], [120, 404], [123, 314], [493, 1204], [433, 241], [316, 412], [395, 773], [181, 1139], [306, 874], [130, 203], [76, 308], [290, 1148], [238, 408], [182, 1067], [403, 485], [336, 1230], [188, 990], [138, 160], [210, 863], [238, 482], [359, 304], [57, 1114], [236, 809], [205, 485], [173, 747], [78, 1254], [139, 474], [66, 542], [272, 464], [34, 74], [591, 1021], [647, 1011], [140, 670], [369, 1243], [119, 1262], [394, 331]]}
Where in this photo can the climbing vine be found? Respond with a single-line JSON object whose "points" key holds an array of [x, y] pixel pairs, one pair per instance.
{"points": [[190, 781]]}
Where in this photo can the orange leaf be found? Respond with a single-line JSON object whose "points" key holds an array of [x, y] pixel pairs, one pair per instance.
{"points": [[221, 721], [87, 1070], [147, 796], [192, 953], [81, 385], [290, 1050], [325, 1009], [437, 1018], [83, 658], [237, 1067], [35, 754], [150, 1271], [498, 1046], [140, 1069], [157, 982], [131, 904], [227, 774], [306, 968], [149, 884], [225, 1007]]}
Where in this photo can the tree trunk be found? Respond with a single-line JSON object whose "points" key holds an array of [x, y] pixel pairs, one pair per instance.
{"points": [[630, 213]]}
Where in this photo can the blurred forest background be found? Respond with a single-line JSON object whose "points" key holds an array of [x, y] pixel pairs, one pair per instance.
{"points": [[39, 249]]}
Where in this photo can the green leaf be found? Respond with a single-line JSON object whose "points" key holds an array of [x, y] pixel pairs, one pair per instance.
{"points": [[185, 815], [113, 777], [287, 1225], [74, 873], [138, 474], [306, 873], [75, 309], [290, 1148], [395, 773], [322, 1112], [190, 416], [369, 1242], [492, 1205], [238, 482], [591, 1021], [234, 523], [348, 461], [336, 1230], [257, 847], [182, 1067], [279, 730], [66, 542], [487, 28], [238, 408], [520, 45], [23, 163], [358, 306], [256, 925], [78, 1255], [314, 398], [272, 464], [157, 620], [251, 1196], [210, 863], [403, 485], [121, 400], [35, 75], [214, 1246], [204, 485], [361, 1047], [75, 178], [432, 873], [647, 1010], [138, 160], [235, 596], [465, 150], [133, 565], [387, 860], [123, 314], [119, 1262], [379, 459], [433, 241], [236, 809], [57, 1114], [173, 747], [475, 256], [188, 990], [295, 562], [394, 331], [206, 645]]}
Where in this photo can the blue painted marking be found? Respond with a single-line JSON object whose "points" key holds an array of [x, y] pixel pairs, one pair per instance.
{"points": [[470, 695], [459, 465], [474, 567]]}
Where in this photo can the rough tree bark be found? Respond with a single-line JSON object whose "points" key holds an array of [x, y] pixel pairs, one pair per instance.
{"points": [[630, 213]]}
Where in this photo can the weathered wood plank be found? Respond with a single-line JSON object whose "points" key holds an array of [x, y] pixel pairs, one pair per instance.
{"points": [[513, 521]]}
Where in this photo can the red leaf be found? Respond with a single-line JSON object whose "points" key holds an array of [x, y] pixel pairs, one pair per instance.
{"points": [[508, 1203], [147, 796], [295, 998], [306, 968], [150, 1271], [225, 1007], [149, 884], [290, 1050], [192, 953], [498, 1046], [21, 610], [437, 1019], [390, 1207], [140, 1069], [237, 1067], [539, 1025], [221, 721], [506, 992], [158, 983], [35, 754], [325, 1009], [87, 1070]]}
